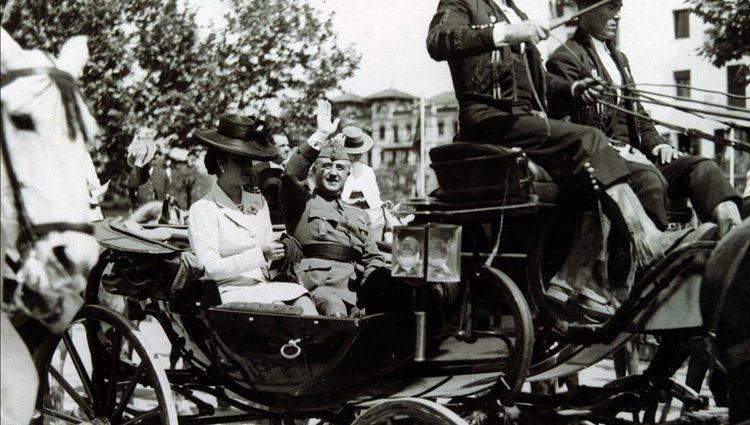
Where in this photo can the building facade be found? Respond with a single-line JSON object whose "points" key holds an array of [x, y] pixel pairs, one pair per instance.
{"points": [[391, 117], [661, 39]]}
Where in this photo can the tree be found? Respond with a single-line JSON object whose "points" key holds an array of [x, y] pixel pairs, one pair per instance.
{"points": [[151, 65], [729, 31]]}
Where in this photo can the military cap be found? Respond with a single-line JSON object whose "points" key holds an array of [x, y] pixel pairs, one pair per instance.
{"points": [[334, 150]]}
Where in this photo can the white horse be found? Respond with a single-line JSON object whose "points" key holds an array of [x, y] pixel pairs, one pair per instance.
{"points": [[47, 241]]}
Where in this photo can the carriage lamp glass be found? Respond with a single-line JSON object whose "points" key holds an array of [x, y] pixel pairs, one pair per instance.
{"points": [[408, 253], [430, 252]]}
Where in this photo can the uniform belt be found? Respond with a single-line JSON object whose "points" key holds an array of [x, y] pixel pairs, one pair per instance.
{"points": [[333, 252]]}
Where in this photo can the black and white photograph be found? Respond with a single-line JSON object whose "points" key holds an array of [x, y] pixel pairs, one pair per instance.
{"points": [[357, 212]]}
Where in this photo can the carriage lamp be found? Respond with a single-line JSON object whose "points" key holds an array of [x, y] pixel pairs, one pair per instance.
{"points": [[427, 253]]}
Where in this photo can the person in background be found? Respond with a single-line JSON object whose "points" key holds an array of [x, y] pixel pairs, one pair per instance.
{"points": [[149, 179], [230, 229], [282, 144], [591, 52], [361, 187]]}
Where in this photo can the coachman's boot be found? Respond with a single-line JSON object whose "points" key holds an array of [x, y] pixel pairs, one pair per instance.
{"points": [[649, 242], [726, 215], [575, 282]]}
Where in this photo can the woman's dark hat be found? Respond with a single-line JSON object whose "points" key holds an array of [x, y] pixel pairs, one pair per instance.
{"points": [[355, 140], [240, 135]]}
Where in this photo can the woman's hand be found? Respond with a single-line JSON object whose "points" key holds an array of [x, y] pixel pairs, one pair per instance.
{"points": [[274, 251]]}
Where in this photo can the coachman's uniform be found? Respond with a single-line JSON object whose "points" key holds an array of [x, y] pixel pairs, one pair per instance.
{"points": [[334, 236], [494, 89], [691, 176]]}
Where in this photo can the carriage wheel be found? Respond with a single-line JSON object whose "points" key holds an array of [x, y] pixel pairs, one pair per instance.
{"points": [[411, 411], [521, 343], [100, 370]]}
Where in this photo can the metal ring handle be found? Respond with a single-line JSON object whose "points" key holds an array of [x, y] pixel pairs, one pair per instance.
{"points": [[291, 345]]}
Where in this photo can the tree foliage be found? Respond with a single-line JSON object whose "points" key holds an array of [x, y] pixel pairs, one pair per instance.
{"points": [[729, 30], [152, 65]]}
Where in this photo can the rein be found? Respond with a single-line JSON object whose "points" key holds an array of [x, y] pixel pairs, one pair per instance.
{"points": [[33, 232]]}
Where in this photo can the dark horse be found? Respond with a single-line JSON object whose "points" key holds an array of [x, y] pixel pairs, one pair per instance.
{"points": [[725, 303]]}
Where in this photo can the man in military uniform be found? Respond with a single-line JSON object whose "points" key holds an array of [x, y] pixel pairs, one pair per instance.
{"points": [[341, 258], [591, 53]]}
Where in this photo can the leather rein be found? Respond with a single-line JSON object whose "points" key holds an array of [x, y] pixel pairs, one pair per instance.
{"points": [[66, 83]]}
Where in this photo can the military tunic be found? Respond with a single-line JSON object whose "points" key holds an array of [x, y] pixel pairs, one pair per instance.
{"points": [[313, 220]]}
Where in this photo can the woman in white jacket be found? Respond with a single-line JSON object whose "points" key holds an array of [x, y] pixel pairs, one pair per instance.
{"points": [[230, 229]]}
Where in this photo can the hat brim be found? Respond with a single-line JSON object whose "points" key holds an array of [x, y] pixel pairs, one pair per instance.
{"points": [[367, 144], [247, 148]]}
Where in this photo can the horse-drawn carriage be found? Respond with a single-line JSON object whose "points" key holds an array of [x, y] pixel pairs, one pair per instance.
{"points": [[500, 230], [496, 227]]}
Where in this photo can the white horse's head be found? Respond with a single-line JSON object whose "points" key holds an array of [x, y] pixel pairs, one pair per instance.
{"points": [[46, 209]]}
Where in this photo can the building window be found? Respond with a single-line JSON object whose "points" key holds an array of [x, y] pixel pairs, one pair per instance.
{"points": [[409, 133], [688, 145], [441, 128], [455, 127], [682, 80], [736, 86], [720, 149], [682, 23], [382, 132], [395, 133]]}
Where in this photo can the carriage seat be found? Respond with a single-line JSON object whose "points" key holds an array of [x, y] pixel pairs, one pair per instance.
{"points": [[469, 172]]}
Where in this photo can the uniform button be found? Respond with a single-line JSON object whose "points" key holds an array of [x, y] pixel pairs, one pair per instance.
{"points": [[596, 187], [591, 170], [587, 164], [593, 181]]}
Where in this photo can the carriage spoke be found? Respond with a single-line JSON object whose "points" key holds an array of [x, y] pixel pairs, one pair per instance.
{"points": [[97, 376], [49, 412], [71, 391], [147, 414], [73, 351], [115, 363], [129, 391]]}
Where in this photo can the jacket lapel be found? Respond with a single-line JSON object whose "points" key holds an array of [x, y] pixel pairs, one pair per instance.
{"points": [[230, 211]]}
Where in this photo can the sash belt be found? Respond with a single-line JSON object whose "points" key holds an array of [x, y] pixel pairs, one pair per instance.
{"points": [[333, 252]]}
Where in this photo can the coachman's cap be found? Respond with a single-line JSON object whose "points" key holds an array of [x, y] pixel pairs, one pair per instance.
{"points": [[355, 140], [240, 135], [335, 151]]}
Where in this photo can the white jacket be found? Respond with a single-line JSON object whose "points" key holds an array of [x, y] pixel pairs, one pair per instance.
{"points": [[227, 241], [362, 179]]}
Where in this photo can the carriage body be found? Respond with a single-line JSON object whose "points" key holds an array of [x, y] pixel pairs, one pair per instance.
{"points": [[501, 333]]}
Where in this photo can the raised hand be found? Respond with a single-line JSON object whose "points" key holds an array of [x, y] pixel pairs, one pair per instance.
{"points": [[325, 125]]}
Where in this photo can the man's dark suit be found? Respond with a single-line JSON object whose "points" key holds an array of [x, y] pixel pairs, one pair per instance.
{"points": [[688, 176], [497, 89]]}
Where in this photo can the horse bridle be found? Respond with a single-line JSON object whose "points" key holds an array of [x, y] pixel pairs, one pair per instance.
{"points": [[67, 86]]}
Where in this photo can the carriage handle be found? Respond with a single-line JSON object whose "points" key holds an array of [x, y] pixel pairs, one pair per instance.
{"points": [[291, 345]]}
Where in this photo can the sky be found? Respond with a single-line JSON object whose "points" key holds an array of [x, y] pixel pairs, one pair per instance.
{"points": [[390, 35]]}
